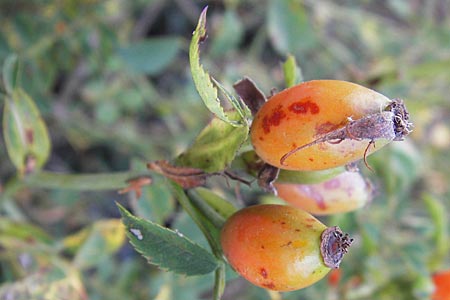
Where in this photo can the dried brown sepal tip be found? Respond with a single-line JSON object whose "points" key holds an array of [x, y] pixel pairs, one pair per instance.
{"points": [[250, 94], [202, 25], [334, 245], [186, 177], [402, 125], [136, 185], [391, 124], [267, 176]]}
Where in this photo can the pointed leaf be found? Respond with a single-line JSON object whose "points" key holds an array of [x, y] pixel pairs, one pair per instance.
{"points": [[166, 248], [11, 69], [204, 84], [215, 147], [13, 232], [292, 72], [25, 132]]}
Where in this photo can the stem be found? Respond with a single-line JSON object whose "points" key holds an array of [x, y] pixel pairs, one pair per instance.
{"points": [[82, 182], [213, 216], [221, 206], [219, 282], [208, 229]]}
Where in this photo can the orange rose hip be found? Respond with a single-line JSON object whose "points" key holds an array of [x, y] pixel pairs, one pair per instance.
{"points": [[322, 124], [280, 247]]}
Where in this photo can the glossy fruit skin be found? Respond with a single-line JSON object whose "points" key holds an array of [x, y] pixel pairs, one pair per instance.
{"points": [[441, 282], [301, 114], [346, 192], [276, 247]]}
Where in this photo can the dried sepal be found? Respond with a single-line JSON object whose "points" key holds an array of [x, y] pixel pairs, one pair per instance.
{"points": [[136, 184], [392, 124], [267, 175], [186, 177], [250, 94], [334, 246]]}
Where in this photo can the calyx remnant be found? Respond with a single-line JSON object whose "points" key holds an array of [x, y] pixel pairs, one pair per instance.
{"points": [[334, 245]]}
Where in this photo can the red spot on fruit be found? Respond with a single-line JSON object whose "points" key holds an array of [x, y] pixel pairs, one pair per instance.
{"points": [[269, 285], [311, 159], [263, 273], [274, 119], [304, 107]]}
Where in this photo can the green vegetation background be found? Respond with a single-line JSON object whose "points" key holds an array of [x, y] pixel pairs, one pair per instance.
{"points": [[112, 81]]}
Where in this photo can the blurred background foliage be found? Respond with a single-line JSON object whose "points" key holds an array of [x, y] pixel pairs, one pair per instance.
{"points": [[111, 79]]}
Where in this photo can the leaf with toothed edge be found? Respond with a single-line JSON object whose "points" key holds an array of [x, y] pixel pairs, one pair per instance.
{"points": [[206, 85], [166, 248]]}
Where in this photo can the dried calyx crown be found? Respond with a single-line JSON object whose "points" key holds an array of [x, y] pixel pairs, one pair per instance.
{"points": [[333, 246], [402, 126]]}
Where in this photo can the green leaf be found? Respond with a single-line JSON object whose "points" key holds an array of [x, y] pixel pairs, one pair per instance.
{"points": [[237, 103], [289, 27], [11, 71], [25, 132], [215, 147], [201, 219], [151, 56], [166, 248], [292, 72], [203, 81], [12, 232]]}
